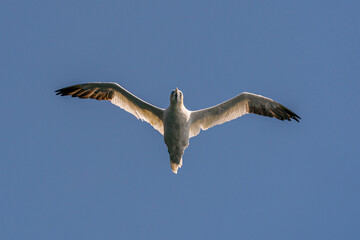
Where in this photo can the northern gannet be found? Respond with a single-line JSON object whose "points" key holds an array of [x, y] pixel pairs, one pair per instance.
{"points": [[176, 123]]}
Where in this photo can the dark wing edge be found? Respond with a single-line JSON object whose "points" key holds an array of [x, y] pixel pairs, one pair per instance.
{"points": [[119, 96], [267, 107], [236, 107], [88, 91]]}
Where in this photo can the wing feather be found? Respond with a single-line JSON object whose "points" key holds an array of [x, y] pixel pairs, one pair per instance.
{"points": [[236, 107], [120, 97]]}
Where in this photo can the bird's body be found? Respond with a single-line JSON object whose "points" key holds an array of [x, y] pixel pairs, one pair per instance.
{"points": [[176, 123], [176, 132]]}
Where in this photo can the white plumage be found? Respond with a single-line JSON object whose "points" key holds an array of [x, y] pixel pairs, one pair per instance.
{"points": [[176, 123]]}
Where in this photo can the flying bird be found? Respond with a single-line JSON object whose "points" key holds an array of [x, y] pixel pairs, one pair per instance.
{"points": [[176, 123]]}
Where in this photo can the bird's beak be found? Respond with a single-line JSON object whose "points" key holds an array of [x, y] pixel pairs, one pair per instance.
{"points": [[177, 93]]}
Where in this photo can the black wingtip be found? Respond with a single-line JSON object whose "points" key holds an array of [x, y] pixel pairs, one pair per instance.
{"points": [[64, 91], [296, 117], [291, 114], [59, 92]]}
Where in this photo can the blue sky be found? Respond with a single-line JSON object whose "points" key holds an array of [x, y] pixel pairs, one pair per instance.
{"points": [[82, 169]]}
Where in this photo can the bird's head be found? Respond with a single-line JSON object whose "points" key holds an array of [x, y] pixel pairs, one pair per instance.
{"points": [[176, 97]]}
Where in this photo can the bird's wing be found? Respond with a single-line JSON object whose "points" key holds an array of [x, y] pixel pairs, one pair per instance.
{"points": [[119, 96], [240, 105]]}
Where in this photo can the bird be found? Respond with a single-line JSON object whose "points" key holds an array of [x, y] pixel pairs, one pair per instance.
{"points": [[176, 123]]}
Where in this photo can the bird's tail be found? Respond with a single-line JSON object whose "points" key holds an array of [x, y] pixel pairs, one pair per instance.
{"points": [[175, 166]]}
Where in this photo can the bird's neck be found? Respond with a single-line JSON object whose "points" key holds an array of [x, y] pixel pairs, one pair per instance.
{"points": [[177, 106]]}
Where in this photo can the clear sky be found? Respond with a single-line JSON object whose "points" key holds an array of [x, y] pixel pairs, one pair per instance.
{"points": [[82, 169]]}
